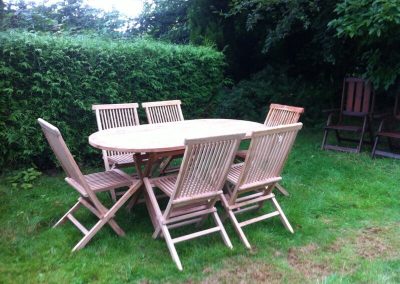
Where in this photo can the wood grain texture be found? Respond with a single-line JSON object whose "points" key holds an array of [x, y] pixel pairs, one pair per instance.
{"points": [[87, 186]]}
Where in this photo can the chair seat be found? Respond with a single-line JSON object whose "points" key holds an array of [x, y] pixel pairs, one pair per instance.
{"points": [[107, 180], [391, 134], [234, 173], [121, 159], [352, 128], [166, 183]]}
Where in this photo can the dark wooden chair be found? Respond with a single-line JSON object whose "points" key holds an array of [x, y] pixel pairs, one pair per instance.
{"points": [[389, 128], [354, 115]]}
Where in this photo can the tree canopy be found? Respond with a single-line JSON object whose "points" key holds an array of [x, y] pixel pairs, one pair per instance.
{"points": [[319, 41]]}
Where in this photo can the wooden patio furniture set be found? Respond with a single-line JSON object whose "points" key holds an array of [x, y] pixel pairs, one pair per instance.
{"points": [[212, 169], [355, 115]]}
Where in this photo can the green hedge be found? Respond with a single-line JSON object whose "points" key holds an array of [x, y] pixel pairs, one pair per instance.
{"points": [[59, 78]]}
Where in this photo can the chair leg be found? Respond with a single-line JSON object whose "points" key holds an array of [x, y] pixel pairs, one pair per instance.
{"points": [[70, 211], [362, 135], [224, 235], [282, 189], [108, 218], [238, 229], [282, 215], [324, 139], [171, 247], [375, 145], [113, 195], [117, 229]]}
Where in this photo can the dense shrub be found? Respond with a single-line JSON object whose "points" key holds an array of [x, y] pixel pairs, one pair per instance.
{"points": [[249, 99], [59, 78]]}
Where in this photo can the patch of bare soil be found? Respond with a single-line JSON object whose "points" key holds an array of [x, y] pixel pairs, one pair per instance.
{"points": [[245, 271], [372, 243], [300, 258]]}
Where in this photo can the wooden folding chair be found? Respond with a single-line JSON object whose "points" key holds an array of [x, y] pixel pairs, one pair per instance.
{"points": [[250, 183], [278, 115], [194, 191], [111, 116], [87, 186], [355, 115], [389, 128], [162, 112]]}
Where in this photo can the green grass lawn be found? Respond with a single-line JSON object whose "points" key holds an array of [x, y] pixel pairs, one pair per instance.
{"points": [[344, 208]]}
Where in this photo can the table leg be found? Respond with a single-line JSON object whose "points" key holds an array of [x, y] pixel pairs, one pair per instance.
{"points": [[153, 157], [137, 157]]}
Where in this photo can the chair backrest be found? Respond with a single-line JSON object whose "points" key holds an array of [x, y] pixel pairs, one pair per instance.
{"points": [[67, 161], [205, 165], [282, 115], [357, 97], [62, 153], [163, 111], [266, 156], [116, 115]]}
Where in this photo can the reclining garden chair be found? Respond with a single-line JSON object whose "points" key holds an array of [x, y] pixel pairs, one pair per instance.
{"points": [[250, 183], [111, 116], [278, 115], [357, 104], [163, 112], [194, 191], [87, 186], [389, 128]]}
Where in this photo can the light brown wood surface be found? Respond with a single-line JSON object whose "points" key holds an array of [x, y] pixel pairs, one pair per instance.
{"points": [[87, 186], [195, 190], [251, 182], [168, 136]]}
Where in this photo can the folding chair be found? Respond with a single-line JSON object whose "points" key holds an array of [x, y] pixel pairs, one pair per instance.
{"points": [[250, 183], [87, 186], [389, 128], [111, 116], [163, 112], [355, 114], [194, 191], [278, 115]]}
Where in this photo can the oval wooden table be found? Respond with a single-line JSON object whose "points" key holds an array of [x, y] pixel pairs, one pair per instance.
{"points": [[153, 138], [164, 140]]}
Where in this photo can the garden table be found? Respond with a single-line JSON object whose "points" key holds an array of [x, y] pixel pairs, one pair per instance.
{"points": [[164, 140]]}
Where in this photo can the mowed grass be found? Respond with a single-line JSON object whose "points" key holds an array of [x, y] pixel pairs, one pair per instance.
{"points": [[344, 208]]}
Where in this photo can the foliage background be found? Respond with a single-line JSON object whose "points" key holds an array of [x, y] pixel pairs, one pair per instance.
{"points": [[286, 51], [60, 78]]}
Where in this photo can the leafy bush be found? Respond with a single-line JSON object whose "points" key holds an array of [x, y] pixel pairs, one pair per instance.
{"points": [[60, 78], [249, 99], [24, 179]]}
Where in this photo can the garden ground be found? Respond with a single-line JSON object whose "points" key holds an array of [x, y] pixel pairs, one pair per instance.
{"points": [[344, 208]]}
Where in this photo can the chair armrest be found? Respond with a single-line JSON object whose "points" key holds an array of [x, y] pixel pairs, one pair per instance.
{"points": [[380, 115]]}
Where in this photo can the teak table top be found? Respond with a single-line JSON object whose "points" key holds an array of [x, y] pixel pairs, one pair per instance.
{"points": [[167, 136]]}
